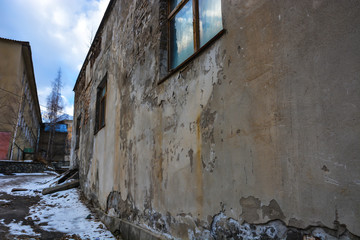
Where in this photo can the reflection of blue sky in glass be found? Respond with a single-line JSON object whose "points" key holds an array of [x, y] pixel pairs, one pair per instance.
{"points": [[210, 19], [103, 91], [181, 36], [173, 4]]}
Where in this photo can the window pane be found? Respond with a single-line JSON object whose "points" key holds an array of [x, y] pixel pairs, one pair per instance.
{"points": [[181, 36], [103, 91], [210, 19], [173, 4]]}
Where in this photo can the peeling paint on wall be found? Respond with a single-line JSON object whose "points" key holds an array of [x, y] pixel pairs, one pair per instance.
{"points": [[263, 121]]}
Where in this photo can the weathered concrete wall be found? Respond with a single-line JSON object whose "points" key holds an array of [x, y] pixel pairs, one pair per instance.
{"points": [[263, 126]]}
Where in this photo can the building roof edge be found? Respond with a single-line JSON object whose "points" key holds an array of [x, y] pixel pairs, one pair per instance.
{"points": [[97, 36]]}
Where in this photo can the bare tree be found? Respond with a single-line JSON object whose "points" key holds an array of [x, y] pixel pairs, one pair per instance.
{"points": [[11, 106], [54, 107]]}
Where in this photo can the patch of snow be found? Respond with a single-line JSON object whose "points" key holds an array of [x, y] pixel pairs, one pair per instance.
{"points": [[17, 228], [217, 218], [191, 235], [33, 184], [234, 222], [35, 174], [61, 211], [52, 172], [17, 161], [245, 231], [64, 212], [319, 233]]}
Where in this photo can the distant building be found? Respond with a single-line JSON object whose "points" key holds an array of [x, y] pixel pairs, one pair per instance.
{"points": [[20, 116], [68, 123], [60, 152]]}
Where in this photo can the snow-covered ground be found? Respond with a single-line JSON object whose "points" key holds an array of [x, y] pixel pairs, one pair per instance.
{"points": [[17, 228], [57, 212]]}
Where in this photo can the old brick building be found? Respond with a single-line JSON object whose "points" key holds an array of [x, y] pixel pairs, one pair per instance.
{"points": [[223, 119], [19, 105]]}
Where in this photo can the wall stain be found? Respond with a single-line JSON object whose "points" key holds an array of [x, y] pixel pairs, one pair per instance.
{"points": [[272, 211], [199, 177], [261, 73], [191, 156], [207, 125], [250, 206]]}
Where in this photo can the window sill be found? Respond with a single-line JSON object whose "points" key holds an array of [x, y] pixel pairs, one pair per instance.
{"points": [[192, 57]]}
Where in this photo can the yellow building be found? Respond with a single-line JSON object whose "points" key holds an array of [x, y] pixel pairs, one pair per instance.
{"points": [[20, 116]]}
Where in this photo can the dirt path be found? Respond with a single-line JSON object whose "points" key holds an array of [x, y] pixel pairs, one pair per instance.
{"points": [[15, 209]]}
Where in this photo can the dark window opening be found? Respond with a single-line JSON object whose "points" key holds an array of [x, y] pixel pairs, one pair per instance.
{"points": [[78, 127], [100, 105]]}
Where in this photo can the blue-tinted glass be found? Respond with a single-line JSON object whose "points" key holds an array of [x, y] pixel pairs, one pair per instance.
{"points": [[103, 91], [181, 36], [210, 19], [173, 4]]}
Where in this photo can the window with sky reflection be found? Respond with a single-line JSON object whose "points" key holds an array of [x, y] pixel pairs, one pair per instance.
{"points": [[184, 16], [210, 19], [181, 35]]}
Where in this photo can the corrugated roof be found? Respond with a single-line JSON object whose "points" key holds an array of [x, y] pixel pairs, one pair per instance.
{"points": [[58, 127]]}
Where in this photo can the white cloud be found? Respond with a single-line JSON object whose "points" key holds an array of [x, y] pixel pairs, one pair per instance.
{"points": [[67, 91], [70, 25], [43, 92], [69, 110], [60, 34], [60, 18]]}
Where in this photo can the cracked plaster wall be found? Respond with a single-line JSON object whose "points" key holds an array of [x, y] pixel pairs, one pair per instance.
{"points": [[262, 126]]}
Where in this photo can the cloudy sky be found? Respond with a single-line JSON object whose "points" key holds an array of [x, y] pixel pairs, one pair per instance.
{"points": [[60, 34]]}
